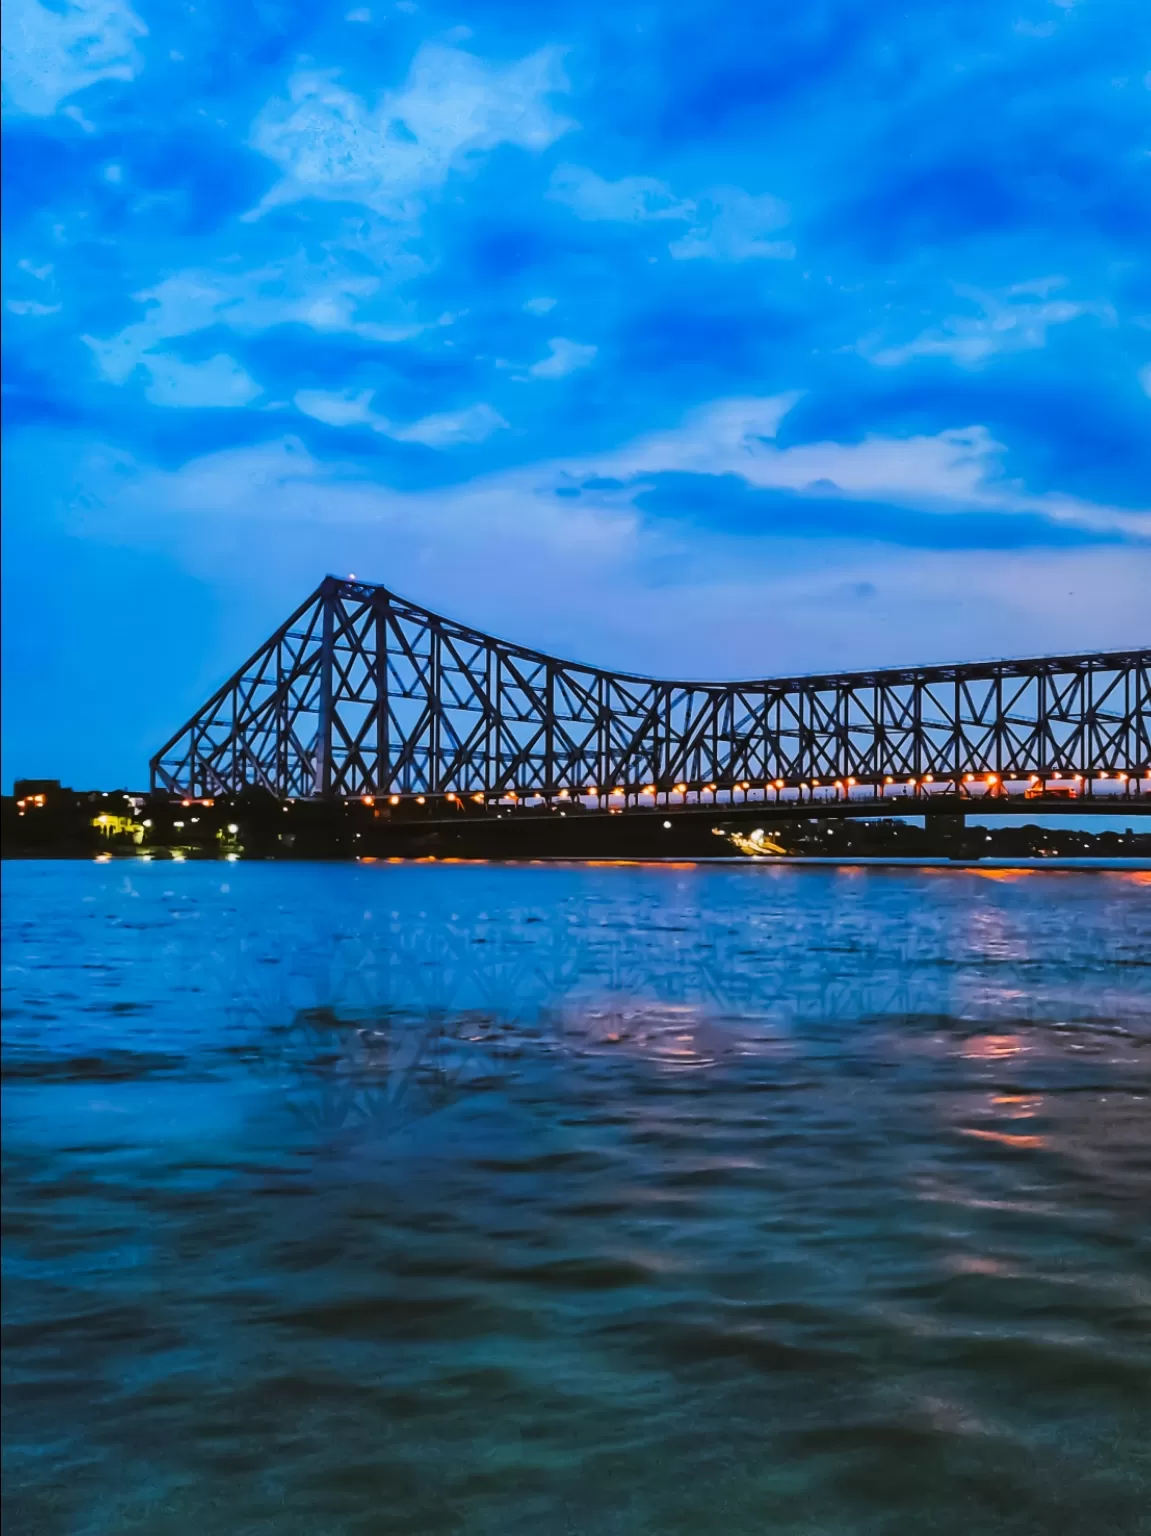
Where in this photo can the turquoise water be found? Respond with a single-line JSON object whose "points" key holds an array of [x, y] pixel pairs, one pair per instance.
{"points": [[650, 1199]]}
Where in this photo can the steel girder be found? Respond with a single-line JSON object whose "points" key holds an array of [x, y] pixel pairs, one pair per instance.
{"points": [[364, 693]]}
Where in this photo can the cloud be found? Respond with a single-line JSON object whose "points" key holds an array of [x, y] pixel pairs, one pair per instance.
{"points": [[1015, 321], [959, 470], [32, 307], [599, 581], [1145, 379], [539, 306], [451, 427], [452, 108], [219, 382], [630, 200], [444, 430], [564, 357], [50, 54], [327, 297], [337, 410], [955, 469], [730, 225], [726, 223]]}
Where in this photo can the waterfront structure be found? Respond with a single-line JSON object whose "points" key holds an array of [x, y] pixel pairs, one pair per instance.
{"points": [[362, 693]]}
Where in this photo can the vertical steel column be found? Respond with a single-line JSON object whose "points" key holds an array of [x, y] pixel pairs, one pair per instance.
{"points": [[382, 782], [549, 784], [435, 711], [323, 787]]}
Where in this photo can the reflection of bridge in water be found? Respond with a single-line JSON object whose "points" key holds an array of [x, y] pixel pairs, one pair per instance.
{"points": [[363, 694], [405, 1016]]}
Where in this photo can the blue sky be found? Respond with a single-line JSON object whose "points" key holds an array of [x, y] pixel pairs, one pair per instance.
{"points": [[699, 339]]}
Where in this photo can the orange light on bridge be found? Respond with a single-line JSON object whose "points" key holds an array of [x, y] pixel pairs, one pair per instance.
{"points": [[563, 794], [779, 783], [368, 799], [420, 800], [479, 799], [393, 799]]}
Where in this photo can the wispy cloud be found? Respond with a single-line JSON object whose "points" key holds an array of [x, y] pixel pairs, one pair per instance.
{"points": [[730, 225], [960, 468], [630, 200], [563, 357], [330, 144], [1015, 321], [51, 53], [218, 383], [599, 580], [724, 223], [446, 429], [327, 297], [32, 308]]}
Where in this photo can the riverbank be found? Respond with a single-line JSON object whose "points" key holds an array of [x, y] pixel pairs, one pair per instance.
{"points": [[58, 823]]}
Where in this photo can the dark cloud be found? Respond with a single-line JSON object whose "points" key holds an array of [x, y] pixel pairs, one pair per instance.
{"points": [[727, 504]]}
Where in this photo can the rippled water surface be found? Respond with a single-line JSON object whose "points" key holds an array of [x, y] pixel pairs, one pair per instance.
{"points": [[469, 1199]]}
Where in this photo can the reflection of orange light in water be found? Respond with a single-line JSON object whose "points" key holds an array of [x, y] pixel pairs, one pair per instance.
{"points": [[1003, 1138], [991, 1047], [977, 1264], [1020, 1106], [1136, 876], [1003, 874], [630, 863]]}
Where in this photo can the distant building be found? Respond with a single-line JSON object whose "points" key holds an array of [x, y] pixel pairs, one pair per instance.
{"points": [[38, 790]]}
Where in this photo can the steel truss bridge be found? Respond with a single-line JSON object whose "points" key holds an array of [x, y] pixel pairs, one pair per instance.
{"points": [[362, 693]]}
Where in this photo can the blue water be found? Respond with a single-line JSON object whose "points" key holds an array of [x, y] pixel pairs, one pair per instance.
{"points": [[556, 1199]]}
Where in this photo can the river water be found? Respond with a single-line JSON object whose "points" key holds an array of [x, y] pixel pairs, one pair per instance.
{"points": [[574, 1199]]}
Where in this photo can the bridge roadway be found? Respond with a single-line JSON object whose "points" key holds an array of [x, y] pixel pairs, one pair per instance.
{"points": [[949, 807]]}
